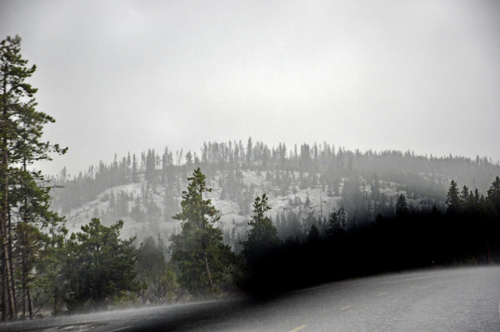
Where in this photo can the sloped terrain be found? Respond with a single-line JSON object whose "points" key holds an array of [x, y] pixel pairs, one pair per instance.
{"points": [[313, 201]]}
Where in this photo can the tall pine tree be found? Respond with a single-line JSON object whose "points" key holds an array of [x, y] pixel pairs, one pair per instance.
{"points": [[262, 236], [21, 129], [202, 256]]}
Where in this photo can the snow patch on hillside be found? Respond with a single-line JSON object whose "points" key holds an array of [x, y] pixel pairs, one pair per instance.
{"points": [[313, 200]]}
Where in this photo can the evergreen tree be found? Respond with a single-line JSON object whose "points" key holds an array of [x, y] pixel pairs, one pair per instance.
{"points": [[375, 192], [150, 174], [262, 236], [29, 242], [203, 259], [402, 207], [189, 159], [49, 263], [249, 156], [313, 236], [21, 129], [99, 267], [32, 213], [453, 199], [353, 200], [494, 195], [337, 222], [134, 170], [465, 198], [154, 273]]}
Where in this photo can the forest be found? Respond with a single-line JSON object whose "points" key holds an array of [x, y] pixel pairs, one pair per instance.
{"points": [[234, 219], [304, 184]]}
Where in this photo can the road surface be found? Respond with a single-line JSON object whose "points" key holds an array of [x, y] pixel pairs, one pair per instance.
{"points": [[465, 299]]}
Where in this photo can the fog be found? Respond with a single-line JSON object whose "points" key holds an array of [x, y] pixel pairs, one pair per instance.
{"points": [[122, 76]]}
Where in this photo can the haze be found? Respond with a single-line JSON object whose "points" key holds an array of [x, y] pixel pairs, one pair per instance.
{"points": [[122, 76]]}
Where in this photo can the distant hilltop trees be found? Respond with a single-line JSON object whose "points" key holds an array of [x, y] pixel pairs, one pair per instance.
{"points": [[306, 165]]}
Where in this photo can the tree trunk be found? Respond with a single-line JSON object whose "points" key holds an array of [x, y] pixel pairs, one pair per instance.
{"points": [[24, 299], [8, 283], [208, 273], [56, 297], [2, 288], [23, 269], [6, 274], [30, 305], [9, 230]]}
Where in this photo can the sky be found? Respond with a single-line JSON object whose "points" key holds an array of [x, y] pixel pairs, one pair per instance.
{"points": [[127, 76]]}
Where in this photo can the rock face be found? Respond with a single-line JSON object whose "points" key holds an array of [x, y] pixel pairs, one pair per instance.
{"points": [[315, 201]]}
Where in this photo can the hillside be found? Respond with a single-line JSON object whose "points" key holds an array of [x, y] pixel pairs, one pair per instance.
{"points": [[303, 187], [313, 201]]}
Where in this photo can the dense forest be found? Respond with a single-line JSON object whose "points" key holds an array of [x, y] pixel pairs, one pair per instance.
{"points": [[234, 219]]}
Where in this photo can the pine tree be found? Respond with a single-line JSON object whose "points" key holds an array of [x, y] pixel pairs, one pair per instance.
{"points": [[31, 214], [465, 200], [262, 236], [203, 259], [134, 170], [99, 267], [21, 129], [402, 207], [154, 272], [249, 156], [313, 237], [337, 222], [494, 195], [29, 242], [453, 199]]}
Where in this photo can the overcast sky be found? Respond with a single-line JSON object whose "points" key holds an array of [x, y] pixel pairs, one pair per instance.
{"points": [[122, 76]]}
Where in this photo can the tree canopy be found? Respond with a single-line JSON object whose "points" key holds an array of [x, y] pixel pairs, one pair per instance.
{"points": [[99, 266], [262, 236], [22, 196]]}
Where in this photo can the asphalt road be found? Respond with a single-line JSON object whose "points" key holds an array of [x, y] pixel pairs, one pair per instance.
{"points": [[465, 299]]}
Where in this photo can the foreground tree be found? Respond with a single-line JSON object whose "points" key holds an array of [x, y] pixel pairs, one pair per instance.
{"points": [[204, 260], [21, 129], [99, 267]]}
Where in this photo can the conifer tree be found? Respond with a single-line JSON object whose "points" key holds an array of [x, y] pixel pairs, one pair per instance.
{"points": [[99, 267], [313, 236], [21, 129], [134, 170], [337, 222], [494, 195], [465, 197], [154, 272], [402, 207], [199, 250], [453, 199], [262, 236]]}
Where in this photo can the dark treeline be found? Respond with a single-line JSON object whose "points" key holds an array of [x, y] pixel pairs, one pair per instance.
{"points": [[467, 233], [318, 164]]}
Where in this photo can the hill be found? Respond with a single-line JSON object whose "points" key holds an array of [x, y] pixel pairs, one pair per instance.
{"points": [[304, 186]]}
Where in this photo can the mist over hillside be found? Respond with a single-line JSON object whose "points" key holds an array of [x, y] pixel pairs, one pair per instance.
{"points": [[305, 184]]}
